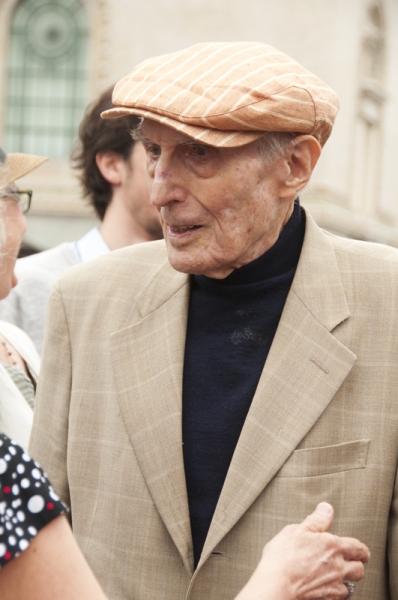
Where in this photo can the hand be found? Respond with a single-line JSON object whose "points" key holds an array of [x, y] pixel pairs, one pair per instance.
{"points": [[303, 562]]}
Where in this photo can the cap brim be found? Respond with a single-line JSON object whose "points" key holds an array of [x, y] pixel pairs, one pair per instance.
{"points": [[17, 165], [212, 137]]}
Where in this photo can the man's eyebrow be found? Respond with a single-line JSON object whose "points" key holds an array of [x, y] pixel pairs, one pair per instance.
{"points": [[139, 136]]}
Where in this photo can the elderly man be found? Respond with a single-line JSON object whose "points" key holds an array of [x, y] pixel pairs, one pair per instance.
{"points": [[198, 394]]}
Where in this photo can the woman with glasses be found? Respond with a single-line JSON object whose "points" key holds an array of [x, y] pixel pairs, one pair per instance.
{"points": [[19, 361]]}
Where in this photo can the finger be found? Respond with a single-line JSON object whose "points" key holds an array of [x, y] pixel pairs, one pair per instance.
{"points": [[337, 591], [353, 549], [354, 571], [342, 591], [321, 519]]}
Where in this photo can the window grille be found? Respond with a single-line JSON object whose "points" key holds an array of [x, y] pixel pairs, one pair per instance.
{"points": [[47, 76]]}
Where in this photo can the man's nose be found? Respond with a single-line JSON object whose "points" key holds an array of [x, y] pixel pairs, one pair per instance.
{"points": [[164, 184]]}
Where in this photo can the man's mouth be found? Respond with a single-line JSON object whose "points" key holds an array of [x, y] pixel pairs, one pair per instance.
{"points": [[182, 229]]}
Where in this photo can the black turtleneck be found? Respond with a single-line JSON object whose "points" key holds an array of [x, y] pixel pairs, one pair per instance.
{"points": [[231, 325]]}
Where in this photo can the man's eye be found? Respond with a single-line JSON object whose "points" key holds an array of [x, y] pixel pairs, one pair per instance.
{"points": [[153, 150], [199, 150]]}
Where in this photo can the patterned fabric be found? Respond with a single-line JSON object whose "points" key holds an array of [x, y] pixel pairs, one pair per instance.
{"points": [[27, 500], [23, 383], [228, 94]]}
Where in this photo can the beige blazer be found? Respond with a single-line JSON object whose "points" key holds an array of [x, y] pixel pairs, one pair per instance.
{"points": [[323, 424]]}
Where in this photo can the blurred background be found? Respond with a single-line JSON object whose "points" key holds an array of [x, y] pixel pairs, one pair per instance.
{"points": [[58, 55]]}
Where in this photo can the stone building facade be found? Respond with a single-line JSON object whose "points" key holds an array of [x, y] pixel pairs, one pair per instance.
{"points": [[67, 51]]}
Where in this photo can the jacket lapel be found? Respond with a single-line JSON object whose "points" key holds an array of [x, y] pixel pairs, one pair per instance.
{"points": [[304, 369], [148, 363]]}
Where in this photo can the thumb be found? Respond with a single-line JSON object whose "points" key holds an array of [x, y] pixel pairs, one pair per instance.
{"points": [[321, 519]]}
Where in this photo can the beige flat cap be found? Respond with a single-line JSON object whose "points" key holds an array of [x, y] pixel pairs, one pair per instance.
{"points": [[16, 165], [227, 94]]}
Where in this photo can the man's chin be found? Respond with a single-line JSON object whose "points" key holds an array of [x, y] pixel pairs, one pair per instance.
{"points": [[183, 261]]}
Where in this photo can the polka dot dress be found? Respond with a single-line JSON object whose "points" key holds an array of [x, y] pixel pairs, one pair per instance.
{"points": [[27, 500]]}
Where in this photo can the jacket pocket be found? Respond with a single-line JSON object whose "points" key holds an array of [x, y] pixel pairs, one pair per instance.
{"points": [[311, 462]]}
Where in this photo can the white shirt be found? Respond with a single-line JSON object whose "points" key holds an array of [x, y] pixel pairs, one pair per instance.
{"points": [[89, 246]]}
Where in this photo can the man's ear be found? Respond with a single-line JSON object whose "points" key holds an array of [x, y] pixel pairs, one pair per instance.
{"points": [[110, 166], [300, 161]]}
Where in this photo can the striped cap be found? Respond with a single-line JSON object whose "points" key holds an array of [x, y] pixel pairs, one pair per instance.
{"points": [[227, 94]]}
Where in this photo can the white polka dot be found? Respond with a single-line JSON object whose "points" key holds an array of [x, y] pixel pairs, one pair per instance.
{"points": [[20, 469], [2, 508], [1, 442], [3, 549], [8, 526], [21, 516], [53, 495], [25, 457], [3, 466], [19, 531], [15, 489], [16, 503], [12, 450], [9, 512], [35, 504], [7, 457], [25, 483], [23, 544], [36, 474], [12, 540], [14, 520], [37, 484], [1, 530], [32, 530]]}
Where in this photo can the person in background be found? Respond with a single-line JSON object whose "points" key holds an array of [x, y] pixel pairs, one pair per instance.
{"points": [[19, 360], [112, 174]]}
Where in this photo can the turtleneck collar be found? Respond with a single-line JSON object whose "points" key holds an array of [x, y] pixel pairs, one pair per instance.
{"points": [[281, 258]]}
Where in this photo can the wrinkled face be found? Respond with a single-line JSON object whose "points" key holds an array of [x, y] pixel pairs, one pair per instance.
{"points": [[136, 194], [220, 208], [14, 228]]}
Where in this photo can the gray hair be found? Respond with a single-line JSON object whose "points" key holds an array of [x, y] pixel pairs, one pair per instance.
{"points": [[273, 144]]}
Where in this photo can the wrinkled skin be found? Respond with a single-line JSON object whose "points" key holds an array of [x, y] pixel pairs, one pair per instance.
{"points": [[303, 562], [220, 208], [14, 230]]}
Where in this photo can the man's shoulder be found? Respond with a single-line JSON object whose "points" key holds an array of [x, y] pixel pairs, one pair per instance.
{"points": [[363, 253]]}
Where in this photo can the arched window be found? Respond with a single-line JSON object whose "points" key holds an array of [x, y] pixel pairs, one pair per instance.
{"points": [[47, 76]]}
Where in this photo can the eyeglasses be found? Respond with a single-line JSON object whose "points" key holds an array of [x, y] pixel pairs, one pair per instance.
{"points": [[22, 197]]}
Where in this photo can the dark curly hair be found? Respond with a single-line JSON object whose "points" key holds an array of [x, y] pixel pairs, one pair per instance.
{"points": [[100, 135]]}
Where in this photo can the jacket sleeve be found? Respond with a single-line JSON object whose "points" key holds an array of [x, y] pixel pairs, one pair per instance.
{"points": [[49, 437]]}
